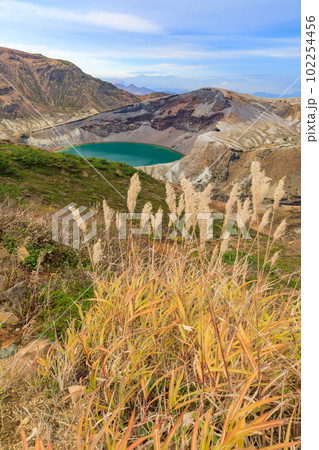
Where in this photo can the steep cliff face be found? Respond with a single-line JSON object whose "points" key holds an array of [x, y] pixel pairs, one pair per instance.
{"points": [[267, 130], [174, 121], [58, 89]]}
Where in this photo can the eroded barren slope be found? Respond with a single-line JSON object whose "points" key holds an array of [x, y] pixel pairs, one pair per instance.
{"points": [[219, 132], [58, 90]]}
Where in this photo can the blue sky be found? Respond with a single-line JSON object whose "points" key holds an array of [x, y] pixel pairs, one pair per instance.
{"points": [[243, 45]]}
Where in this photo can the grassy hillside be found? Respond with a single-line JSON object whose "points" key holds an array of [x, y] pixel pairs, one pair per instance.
{"points": [[159, 344], [58, 179], [41, 182]]}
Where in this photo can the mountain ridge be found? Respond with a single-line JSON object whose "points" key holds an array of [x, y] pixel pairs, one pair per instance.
{"points": [[135, 90], [220, 132], [57, 89]]}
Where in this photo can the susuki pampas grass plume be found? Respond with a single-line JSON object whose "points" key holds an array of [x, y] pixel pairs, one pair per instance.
{"points": [[279, 193], [191, 196], [204, 207], [205, 199], [134, 190], [78, 219], [230, 203], [146, 216], [117, 220], [275, 258], [224, 243], [243, 212], [260, 185], [191, 202], [265, 220], [170, 198], [156, 220], [181, 205], [97, 252], [184, 346], [108, 214], [280, 230]]}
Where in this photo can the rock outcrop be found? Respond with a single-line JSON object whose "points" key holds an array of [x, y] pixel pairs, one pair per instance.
{"points": [[22, 363], [267, 130], [220, 132], [13, 298], [174, 121]]}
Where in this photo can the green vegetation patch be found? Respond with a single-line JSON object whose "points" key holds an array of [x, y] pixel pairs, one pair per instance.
{"points": [[61, 305], [59, 178]]}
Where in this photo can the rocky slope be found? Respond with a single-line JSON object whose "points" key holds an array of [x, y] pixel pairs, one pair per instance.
{"points": [[153, 95], [257, 128], [58, 89], [219, 131], [174, 121]]}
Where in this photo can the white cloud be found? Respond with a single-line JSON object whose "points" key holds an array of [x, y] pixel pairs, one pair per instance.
{"points": [[122, 22], [159, 53], [124, 63]]}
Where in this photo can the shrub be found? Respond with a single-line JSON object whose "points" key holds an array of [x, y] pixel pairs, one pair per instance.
{"points": [[6, 167], [181, 347], [8, 190]]}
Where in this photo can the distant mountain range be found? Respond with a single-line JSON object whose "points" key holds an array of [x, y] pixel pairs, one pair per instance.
{"points": [[267, 94], [134, 89], [140, 91], [143, 91]]}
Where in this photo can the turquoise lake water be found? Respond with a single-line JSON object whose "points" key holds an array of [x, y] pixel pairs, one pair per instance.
{"points": [[128, 152]]}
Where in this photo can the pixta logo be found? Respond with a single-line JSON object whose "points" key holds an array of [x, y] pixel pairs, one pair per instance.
{"points": [[68, 223]]}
